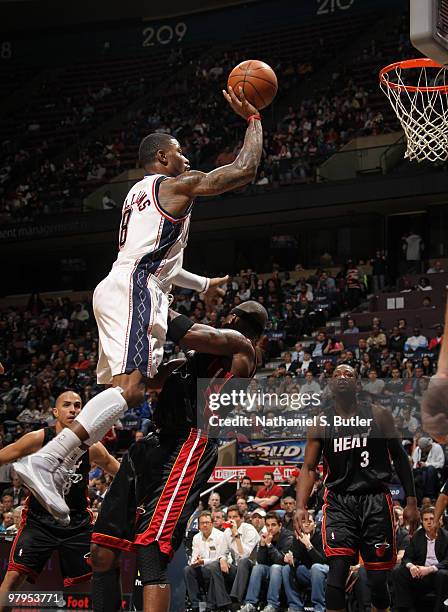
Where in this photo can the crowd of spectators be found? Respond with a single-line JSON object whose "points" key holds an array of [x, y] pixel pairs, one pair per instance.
{"points": [[52, 345], [246, 554], [40, 179]]}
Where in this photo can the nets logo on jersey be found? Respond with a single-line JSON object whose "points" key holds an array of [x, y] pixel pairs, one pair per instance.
{"points": [[380, 549]]}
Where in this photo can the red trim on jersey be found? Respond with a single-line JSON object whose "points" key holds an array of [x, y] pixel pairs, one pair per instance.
{"points": [[68, 582], [175, 494], [23, 569], [126, 342], [329, 551], [159, 206], [109, 541]]}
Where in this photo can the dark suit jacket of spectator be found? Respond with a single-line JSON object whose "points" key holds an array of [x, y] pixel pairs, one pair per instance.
{"points": [[311, 368], [292, 367], [416, 551]]}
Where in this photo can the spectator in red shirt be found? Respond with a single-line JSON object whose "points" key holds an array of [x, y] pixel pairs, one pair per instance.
{"points": [[268, 496], [434, 343]]}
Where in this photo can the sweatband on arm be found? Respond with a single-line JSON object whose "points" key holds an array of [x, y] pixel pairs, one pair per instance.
{"points": [[188, 280], [178, 327]]}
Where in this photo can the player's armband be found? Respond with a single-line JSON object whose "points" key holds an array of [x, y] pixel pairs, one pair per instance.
{"points": [[178, 327]]}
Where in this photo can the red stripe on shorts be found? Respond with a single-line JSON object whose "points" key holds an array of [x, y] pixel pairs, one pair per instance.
{"points": [[174, 494]]}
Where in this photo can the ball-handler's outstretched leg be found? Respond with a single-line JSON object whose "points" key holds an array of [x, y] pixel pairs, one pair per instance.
{"points": [[46, 472]]}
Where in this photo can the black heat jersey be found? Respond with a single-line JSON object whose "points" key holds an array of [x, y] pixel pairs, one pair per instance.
{"points": [[355, 456], [182, 403], [76, 499]]}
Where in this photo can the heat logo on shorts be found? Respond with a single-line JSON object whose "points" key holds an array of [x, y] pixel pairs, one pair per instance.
{"points": [[380, 549]]}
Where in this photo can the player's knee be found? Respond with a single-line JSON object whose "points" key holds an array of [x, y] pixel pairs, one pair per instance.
{"points": [[338, 572], [103, 559], [152, 564], [377, 581]]}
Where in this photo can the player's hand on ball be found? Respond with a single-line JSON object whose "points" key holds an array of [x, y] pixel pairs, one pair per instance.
{"points": [[239, 104], [300, 519]]}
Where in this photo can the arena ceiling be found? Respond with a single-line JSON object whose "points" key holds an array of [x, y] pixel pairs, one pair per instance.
{"points": [[24, 14]]}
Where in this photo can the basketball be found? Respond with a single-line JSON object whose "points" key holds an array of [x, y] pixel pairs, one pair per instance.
{"points": [[258, 81]]}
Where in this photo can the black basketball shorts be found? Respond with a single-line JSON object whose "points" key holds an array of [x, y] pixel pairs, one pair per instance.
{"points": [[155, 492], [362, 524], [36, 541]]}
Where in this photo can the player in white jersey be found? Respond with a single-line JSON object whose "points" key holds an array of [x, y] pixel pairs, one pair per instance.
{"points": [[130, 305]]}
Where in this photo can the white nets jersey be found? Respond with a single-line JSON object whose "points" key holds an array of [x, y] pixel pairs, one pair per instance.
{"points": [[130, 304], [148, 235]]}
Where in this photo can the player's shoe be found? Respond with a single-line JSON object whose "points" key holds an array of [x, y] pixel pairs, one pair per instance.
{"points": [[248, 607], [47, 480]]}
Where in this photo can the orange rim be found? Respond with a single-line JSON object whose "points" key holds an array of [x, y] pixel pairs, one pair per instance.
{"points": [[421, 62]]}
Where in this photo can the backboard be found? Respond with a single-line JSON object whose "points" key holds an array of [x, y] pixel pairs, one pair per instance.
{"points": [[429, 28]]}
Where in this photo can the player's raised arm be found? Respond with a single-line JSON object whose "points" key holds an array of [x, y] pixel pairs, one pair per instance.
{"points": [[176, 193], [26, 445], [307, 479], [224, 343]]}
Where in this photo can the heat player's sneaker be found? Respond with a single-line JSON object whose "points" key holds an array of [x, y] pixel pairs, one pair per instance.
{"points": [[46, 479]]}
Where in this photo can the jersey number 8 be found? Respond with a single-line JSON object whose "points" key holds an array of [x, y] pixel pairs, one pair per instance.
{"points": [[124, 226]]}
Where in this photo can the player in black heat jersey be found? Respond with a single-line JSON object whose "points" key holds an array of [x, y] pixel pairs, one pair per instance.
{"points": [[40, 534], [160, 479], [357, 442]]}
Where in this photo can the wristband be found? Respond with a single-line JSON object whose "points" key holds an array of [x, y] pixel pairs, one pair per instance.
{"points": [[254, 117], [206, 285]]}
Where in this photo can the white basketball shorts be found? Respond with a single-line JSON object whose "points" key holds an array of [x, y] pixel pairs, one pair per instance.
{"points": [[131, 312]]}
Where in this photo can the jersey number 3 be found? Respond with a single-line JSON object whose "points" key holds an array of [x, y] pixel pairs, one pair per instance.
{"points": [[124, 226], [365, 459]]}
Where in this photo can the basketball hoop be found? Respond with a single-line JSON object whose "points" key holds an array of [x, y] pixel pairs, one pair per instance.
{"points": [[421, 105]]}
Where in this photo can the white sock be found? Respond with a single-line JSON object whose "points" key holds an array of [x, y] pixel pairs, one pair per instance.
{"points": [[97, 417], [62, 445]]}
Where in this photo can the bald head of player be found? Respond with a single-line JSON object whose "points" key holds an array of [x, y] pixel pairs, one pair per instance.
{"points": [[249, 318], [344, 381], [162, 154], [68, 406]]}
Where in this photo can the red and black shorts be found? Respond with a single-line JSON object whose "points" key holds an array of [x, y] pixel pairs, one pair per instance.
{"points": [[156, 491], [362, 524], [37, 539]]}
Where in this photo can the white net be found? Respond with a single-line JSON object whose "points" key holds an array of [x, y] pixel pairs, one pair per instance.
{"points": [[421, 105]]}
